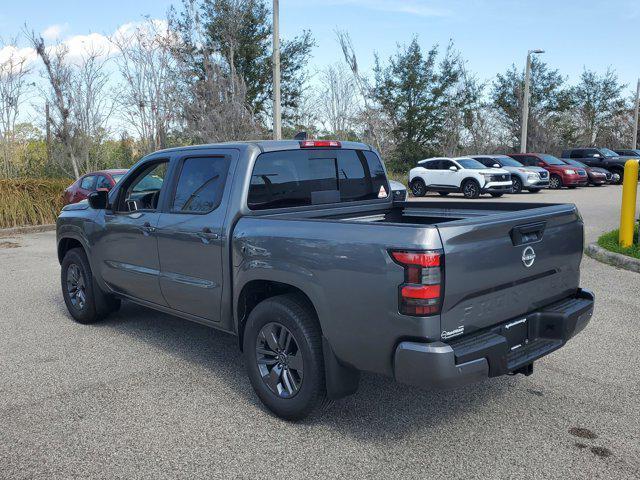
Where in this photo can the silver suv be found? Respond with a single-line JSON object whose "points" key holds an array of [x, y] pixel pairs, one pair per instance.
{"points": [[532, 179]]}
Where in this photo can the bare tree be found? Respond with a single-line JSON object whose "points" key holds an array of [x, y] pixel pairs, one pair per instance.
{"points": [[14, 84], [372, 117], [147, 95], [92, 107], [59, 73], [337, 101]]}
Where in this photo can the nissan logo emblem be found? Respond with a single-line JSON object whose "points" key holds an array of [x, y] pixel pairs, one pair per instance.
{"points": [[528, 256]]}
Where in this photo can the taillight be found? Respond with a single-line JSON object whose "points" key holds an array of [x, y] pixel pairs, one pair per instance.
{"points": [[320, 143], [421, 292]]}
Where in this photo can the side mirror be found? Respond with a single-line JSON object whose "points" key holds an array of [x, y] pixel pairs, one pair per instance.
{"points": [[98, 200], [596, 155], [540, 164], [495, 165], [453, 168]]}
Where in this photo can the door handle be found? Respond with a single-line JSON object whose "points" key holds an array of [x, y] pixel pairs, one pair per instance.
{"points": [[147, 228], [206, 235]]}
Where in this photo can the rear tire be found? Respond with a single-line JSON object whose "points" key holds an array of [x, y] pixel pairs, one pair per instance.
{"points": [[555, 182], [471, 189], [283, 355], [418, 188], [84, 299]]}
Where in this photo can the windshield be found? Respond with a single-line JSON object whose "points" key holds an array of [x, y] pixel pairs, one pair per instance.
{"points": [[471, 164], [509, 162], [117, 177], [576, 163], [608, 153], [551, 160]]}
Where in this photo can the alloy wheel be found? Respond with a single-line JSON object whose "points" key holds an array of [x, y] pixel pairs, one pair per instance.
{"points": [[470, 190], [279, 360], [76, 287]]}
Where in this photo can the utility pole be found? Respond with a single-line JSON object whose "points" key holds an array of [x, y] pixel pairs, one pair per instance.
{"points": [[634, 144], [277, 116], [525, 101]]}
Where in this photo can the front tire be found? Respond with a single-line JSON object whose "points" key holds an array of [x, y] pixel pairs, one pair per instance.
{"points": [[618, 177], [84, 299], [471, 189], [283, 354], [555, 182], [516, 185], [418, 188]]}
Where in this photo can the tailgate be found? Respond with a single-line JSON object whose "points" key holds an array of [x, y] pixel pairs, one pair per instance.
{"points": [[500, 266]]}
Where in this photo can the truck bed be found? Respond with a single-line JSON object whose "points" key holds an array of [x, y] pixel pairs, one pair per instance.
{"points": [[485, 282]]}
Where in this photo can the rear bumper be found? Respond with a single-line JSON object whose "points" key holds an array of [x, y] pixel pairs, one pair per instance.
{"points": [[491, 352]]}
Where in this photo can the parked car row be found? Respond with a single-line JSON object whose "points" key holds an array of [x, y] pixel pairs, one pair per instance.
{"points": [[496, 175]]}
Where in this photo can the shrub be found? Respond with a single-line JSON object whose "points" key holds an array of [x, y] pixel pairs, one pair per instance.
{"points": [[30, 201]]}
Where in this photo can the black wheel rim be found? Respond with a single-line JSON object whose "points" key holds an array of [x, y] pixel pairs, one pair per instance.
{"points": [[279, 360], [76, 287], [517, 186], [418, 189], [470, 189]]}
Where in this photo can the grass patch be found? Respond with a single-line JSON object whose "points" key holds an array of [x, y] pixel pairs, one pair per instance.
{"points": [[30, 201], [609, 241]]}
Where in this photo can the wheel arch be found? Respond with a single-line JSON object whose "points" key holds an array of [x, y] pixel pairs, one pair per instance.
{"points": [[257, 290], [67, 243]]}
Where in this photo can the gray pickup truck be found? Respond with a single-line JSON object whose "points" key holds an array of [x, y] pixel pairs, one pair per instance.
{"points": [[299, 249]]}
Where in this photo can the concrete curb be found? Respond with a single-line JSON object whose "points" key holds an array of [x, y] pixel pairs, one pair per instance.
{"points": [[10, 232], [616, 259]]}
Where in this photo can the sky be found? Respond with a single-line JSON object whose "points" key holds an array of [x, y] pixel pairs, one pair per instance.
{"points": [[490, 34]]}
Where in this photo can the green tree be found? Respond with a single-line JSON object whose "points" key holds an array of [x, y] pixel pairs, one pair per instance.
{"points": [[598, 104], [240, 32], [548, 100], [415, 92]]}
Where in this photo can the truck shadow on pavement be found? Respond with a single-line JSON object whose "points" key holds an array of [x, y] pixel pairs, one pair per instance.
{"points": [[380, 411]]}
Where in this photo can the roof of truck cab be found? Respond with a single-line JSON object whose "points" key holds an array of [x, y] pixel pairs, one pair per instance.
{"points": [[266, 145]]}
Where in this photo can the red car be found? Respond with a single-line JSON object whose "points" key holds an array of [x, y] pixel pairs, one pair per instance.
{"points": [[81, 188], [560, 174]]}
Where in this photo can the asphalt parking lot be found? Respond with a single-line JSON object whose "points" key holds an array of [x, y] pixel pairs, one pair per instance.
{"points": [[146, 395]]}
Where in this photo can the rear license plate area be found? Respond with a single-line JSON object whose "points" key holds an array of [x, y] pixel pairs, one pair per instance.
{"points": [[516, 333]]}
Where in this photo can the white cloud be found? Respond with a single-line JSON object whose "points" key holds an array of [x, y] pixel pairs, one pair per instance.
{"points": [[53, 32]]}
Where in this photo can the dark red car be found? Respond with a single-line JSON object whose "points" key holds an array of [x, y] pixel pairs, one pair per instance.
{"points": [[81, 188], [560, 174]]}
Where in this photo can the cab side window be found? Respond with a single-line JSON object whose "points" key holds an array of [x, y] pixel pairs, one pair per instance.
{"points": [[142, 191], [200, 185]]}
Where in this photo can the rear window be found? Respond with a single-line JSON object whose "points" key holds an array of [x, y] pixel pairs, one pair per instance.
{"points": [[295, 178]]}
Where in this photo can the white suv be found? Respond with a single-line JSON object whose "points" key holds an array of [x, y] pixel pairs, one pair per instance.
{"points": [[462, 174]]}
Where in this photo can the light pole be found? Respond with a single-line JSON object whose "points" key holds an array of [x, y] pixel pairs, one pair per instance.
{"points": [[525, 101], [277, 119], [635, 118]]}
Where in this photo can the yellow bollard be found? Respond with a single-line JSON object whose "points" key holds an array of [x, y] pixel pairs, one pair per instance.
{"points": [[628, 210]]}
